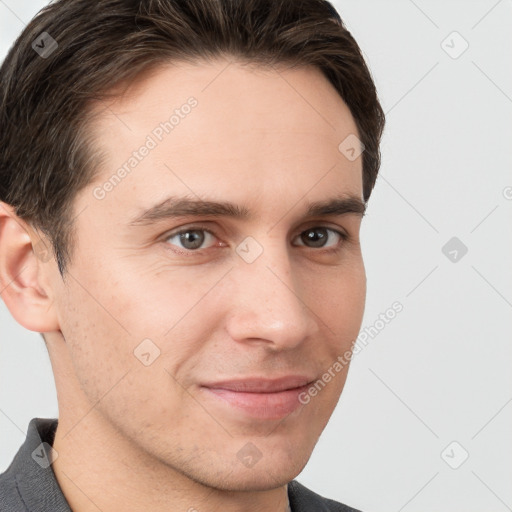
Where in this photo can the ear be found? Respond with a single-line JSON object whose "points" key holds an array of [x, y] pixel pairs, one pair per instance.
{"points": [[25, 266]]}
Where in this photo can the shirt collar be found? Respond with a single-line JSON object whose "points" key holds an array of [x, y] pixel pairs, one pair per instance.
{"points": [[32, 471]]}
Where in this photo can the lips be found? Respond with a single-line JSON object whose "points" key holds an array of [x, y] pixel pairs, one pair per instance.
{"points": [[260, 397], [261, 385]]}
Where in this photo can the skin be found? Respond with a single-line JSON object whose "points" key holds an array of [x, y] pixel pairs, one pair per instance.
{"points": [[133, 437]]}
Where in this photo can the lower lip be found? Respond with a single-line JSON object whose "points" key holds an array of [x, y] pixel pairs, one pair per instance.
{"points": [[270, 406]]}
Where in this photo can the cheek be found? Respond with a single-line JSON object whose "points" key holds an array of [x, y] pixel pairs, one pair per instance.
{"points": [[96, 342], [103, 343], [150, 327], [157, 300], [339, 297]]}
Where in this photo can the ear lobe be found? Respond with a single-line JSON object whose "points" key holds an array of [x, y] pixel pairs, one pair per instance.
{"points": [[24, 265]]}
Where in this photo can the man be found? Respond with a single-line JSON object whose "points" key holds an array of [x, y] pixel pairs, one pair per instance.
{"points": [[182, 189]]}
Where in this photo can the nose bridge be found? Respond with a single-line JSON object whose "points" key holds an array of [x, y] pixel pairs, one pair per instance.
{"points": [[266, 303]]}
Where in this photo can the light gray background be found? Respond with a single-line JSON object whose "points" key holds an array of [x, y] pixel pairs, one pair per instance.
{"points": [[440, 371]]}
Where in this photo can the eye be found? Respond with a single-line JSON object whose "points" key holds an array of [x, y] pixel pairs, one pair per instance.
{"points": [[195, 238], [319, 237], [191, 238]]}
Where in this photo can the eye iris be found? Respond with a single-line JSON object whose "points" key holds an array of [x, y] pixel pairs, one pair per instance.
{"points": [[317, 237], [192, 239]]}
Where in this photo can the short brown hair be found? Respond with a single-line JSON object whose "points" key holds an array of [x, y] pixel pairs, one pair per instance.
{"points": [[46, 153]]}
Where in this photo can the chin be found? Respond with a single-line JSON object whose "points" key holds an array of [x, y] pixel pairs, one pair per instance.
{"points": [[249, 480], [266, 474]]}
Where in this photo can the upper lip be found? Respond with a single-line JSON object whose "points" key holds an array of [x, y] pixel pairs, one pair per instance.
{"points": [[261, 384]]}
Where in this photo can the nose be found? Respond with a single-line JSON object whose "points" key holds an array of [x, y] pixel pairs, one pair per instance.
{"points": [[268, 305]]}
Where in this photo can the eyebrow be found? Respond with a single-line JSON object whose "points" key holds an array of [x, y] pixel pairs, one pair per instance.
{"points": [[173, 207]]}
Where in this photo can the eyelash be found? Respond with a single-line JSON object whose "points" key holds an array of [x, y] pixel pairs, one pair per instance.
{"points": [[192, 252]]}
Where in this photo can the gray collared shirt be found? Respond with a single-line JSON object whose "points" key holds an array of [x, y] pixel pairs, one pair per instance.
{"points": [[29, 483]]}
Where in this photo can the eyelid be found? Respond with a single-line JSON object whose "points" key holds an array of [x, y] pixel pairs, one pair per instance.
{"points": [[309, 225], [322, 223], [188, 227]]}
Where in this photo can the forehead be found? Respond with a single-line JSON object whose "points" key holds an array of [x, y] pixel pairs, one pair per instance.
{"points": [[227, 128]]}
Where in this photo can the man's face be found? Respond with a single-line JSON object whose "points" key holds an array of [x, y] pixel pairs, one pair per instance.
{"points": [[158, 326]]}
